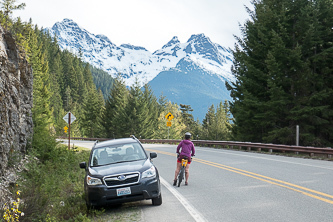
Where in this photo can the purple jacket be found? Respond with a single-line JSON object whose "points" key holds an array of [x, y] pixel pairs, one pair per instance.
{"points": [[187, 147]]}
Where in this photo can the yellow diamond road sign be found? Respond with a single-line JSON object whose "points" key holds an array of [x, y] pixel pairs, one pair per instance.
{"points": [[169, 116], [65, 128]]}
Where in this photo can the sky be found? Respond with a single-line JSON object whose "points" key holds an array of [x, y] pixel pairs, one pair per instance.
{"points": [[147, 23]]}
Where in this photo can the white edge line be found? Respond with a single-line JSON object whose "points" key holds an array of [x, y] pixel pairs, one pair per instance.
{"points": [[192, 211]]}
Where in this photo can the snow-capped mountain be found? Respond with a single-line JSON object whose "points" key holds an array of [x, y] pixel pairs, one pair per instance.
{"points": [[137, 62], [198, 59]]}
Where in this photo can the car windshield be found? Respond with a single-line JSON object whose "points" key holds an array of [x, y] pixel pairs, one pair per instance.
{"points": [[117, 153]]}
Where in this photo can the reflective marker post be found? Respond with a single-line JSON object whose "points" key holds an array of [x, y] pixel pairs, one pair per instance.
{"points": [[297, 135]]}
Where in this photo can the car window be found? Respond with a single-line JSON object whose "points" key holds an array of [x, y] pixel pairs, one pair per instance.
{"points": [[117, 154]]}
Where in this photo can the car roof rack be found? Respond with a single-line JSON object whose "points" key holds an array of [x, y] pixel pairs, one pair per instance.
{"points": [[133, 137], [95, 143]]}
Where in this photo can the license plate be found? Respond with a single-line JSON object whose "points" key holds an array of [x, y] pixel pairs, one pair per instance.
{"points": [[123, 191]]}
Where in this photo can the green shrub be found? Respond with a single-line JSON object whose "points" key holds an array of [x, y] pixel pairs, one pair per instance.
{"points": [[53, 189]]}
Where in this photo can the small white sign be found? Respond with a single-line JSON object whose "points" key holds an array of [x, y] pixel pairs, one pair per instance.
{"points": [[66, 117]]}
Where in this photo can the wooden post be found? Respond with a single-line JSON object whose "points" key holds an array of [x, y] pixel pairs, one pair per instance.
{"points": [[69, 130]]}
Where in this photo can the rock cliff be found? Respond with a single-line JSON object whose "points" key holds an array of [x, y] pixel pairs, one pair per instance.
{"points": [[16, 126]]}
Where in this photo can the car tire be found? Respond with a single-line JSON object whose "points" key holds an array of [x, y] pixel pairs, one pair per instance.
{"points": [[157, 201], [181, 176], [89, 206]]}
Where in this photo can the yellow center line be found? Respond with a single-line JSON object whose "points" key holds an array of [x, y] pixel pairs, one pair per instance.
{"points": [[290, 186]]}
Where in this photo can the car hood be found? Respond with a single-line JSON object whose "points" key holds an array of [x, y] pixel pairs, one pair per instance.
{"points": [[120, 168]]}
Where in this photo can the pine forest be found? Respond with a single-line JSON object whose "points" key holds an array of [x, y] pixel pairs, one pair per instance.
{"points": [[283, 63]]}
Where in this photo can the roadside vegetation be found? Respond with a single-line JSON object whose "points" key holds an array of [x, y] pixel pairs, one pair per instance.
{"points": [[50, 188]]}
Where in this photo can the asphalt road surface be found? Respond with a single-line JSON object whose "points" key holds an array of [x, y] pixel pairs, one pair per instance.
{"points": [[227, 185]]}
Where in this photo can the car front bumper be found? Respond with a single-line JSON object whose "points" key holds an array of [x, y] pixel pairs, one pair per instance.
{"points": [[100, 195]]}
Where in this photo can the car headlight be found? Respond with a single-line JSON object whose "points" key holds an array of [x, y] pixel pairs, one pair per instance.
{"points": [[93, 181], [151, 172]]}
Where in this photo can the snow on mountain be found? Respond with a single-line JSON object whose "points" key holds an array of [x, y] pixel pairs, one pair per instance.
{"points": [[136, 62]]}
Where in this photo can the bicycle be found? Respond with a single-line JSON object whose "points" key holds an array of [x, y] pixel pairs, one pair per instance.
{"points": [[181, 174]]}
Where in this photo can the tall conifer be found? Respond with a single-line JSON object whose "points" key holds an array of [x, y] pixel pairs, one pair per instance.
{"points": [[279, 79], [114, 124]]}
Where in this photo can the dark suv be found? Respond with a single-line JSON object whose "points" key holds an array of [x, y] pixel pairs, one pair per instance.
{"points": [[120, 171]]}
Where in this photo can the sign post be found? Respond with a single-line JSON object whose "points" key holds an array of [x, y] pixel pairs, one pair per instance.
{"points": [[169, 117], [69, 118]]}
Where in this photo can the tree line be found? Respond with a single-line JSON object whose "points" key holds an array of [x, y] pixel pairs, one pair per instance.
{"points": [[283, 64]]}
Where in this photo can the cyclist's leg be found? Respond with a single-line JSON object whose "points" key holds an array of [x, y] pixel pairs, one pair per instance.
{"points": [[187, 172], [179, 165]]}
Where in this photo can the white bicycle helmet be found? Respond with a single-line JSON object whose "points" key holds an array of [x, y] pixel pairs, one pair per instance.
{"points": [[187, 135]]}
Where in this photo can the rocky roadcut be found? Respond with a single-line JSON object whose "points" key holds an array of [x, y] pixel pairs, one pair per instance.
{"points": [[15, 100]]}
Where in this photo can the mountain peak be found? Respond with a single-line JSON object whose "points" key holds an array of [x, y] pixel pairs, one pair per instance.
{"points": [[198, 38], [133, 47], [67, 22], [173, 41], [103, 37]]}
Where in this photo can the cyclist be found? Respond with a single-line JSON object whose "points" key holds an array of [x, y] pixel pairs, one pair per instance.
{"points": [[187, 150]]}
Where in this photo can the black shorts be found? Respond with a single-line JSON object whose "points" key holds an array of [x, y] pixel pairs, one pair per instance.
{"points": [[179, 159]]}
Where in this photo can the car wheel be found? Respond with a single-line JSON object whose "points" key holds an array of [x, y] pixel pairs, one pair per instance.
{"points": [[89, 206], [157, 201]]}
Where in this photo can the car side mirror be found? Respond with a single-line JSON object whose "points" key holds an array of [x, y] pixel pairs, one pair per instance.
{"points": [[83, 165], [153, 155]]}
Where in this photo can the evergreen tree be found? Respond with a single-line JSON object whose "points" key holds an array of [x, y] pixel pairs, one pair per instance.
{"points": [[115, 105], [187, 117], [152, 111], [136, 113], [208, 123], [41, 112], [93, 108], [7, 7], [80, 86], [87, 76], [280, 82], [217, 123], [102, 80], [162, 101], [223, 126], [177, 128]]}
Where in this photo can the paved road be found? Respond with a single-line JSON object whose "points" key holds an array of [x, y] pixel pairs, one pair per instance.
{"points": [[228, 185]]}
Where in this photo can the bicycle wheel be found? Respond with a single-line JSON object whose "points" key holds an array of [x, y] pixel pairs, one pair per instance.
{"points": [[181, 175]]}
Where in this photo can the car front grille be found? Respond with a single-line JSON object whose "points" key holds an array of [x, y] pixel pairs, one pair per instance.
{"points": [[122, 179]]}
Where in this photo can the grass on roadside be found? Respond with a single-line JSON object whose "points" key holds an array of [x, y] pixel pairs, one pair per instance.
{"points": [[53, 190]]}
